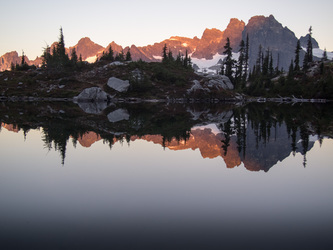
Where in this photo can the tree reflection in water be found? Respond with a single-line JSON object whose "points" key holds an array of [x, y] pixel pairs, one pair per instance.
{"points": [[257, 134]]}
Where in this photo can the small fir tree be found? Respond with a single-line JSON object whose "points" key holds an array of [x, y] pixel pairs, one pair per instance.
{"points": [[128, 55], [297, 52], [325, 55], [229, 62]]}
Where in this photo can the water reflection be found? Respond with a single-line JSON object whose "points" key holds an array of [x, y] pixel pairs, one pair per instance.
{"points": [[257, 135]]}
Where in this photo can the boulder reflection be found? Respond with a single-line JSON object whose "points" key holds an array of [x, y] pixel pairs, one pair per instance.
{"points": [[257, 135]]}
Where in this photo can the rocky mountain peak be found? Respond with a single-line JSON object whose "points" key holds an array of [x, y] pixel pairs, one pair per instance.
{"points": [[211, 35], [304, 42], [270, 34], [87, 48], [7, 59], [234, 32]]}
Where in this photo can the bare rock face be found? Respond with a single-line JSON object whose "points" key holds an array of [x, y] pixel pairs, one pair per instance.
{"points": [[7, 59], [213, 82], [115, 47], [118, 85], [234, 32], [269, 33], [219, 82], [304, 42], [86, 48], [197, 86], [209, 44]]}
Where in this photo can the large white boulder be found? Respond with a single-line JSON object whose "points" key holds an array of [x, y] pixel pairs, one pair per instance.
{"points": [[118, 84], [92, 94], [118, 115]]}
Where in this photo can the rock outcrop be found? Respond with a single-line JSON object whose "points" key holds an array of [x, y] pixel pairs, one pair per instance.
{"points": [[270, 34], [7, 59], [212, 83], [118, 85], [86, 48], [219, 82], [304, 42], [95, 94]]}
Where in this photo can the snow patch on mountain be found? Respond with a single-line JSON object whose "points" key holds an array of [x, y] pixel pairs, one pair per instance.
{"points": [[210, 66], [158, 57], [319, 53], [91, 59], [204, 64]]}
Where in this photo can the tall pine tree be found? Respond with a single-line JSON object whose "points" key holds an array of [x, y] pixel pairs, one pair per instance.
{"points": [[297, 51], [229, 62]]}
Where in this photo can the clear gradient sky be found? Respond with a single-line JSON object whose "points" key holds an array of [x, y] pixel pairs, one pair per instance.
{"points": [[30, 25]]}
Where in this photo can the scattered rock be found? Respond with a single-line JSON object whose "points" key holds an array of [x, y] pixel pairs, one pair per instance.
{"points": [[113, 64], [118, 85], [137, 74], [196, 86], [92, 94], [118, 115]]}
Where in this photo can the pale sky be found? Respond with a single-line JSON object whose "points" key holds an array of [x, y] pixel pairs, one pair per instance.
{"points": [[30, 25]]}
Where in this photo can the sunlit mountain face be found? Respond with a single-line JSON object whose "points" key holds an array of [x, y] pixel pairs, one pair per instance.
{"points": [[206, 51]]}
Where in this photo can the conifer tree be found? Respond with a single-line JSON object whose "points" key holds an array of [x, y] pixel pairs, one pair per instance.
{"points": [[185, 63], [164, 54], [309, 46], [259, 62], [23, 58], [324, 55], [128, 55], [297, 51], [246, 57], [110, 54], [120, 56], [265, 63], [270, 68], [291, 70], [240, 64], [170, 56], [74, 57], [179, 59], [308, 58], [229, 62]]}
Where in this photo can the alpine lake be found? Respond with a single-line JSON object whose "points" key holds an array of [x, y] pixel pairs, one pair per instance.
{"points": [[166, 176]]}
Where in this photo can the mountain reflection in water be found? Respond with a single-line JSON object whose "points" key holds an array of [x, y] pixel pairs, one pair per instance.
{"points": [[257, 135], [114, 196]]}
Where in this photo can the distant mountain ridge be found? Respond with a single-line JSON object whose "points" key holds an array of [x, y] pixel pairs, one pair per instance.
{"points": [[264, 31]]}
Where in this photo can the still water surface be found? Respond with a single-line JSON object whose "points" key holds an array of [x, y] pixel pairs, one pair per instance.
{"points": [[233, 178]]}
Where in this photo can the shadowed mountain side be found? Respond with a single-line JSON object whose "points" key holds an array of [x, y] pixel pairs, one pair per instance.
{"points": [[262, 155], [209, 145]]}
